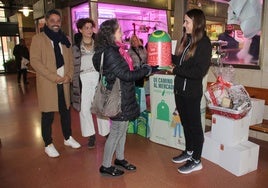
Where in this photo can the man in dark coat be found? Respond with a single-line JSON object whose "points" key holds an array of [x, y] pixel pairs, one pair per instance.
{"points": [[21, 51]]}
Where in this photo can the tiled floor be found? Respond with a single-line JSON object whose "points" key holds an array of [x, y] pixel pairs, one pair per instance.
{"points": [[23, 163]]}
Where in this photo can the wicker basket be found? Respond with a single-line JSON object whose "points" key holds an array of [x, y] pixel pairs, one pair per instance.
{"points": [[230, 113]]}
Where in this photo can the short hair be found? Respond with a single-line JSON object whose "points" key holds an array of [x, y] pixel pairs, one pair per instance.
{"points": [[50, 12], [82, 21], [229, 27]]}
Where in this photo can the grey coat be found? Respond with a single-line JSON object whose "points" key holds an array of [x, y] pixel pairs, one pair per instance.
{"points": [[76, 83]]}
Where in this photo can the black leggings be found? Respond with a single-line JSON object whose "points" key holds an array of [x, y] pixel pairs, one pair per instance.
{"points": [[22, 72], [190, 114], [48, 117]]}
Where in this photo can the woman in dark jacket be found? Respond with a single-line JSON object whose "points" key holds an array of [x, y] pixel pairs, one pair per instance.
{"points": [[117, 64], [192, 61]]}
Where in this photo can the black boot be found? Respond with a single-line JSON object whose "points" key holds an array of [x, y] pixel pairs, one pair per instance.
{"points": [[91, 141]]}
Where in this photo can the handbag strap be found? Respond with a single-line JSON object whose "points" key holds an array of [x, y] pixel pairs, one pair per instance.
{"points": [[101, 65], [101, 71]]}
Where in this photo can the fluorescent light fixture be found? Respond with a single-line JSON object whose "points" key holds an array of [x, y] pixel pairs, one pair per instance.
{"points": [[119, 11], [25, 11]]}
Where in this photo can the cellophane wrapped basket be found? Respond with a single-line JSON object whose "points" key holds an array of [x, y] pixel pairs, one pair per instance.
{"points": [[238, 100]]}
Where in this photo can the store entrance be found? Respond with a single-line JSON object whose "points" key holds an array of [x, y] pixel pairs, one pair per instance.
{"points": [[6, 50]]}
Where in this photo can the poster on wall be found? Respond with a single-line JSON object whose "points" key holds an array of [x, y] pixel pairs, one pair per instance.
{"points": [[166, 127]]}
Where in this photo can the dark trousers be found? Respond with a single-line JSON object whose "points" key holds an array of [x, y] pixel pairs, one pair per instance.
{"points": [[22, 72], [65, 118], [190, 114]]}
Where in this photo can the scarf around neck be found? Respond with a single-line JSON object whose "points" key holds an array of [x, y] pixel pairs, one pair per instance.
{"points": [[125, 55], [56, 38]]}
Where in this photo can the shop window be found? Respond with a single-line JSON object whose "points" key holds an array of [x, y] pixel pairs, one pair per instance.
{"points": [[133, 20], [2, 13]]}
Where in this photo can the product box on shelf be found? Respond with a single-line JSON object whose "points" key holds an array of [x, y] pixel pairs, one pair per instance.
{"points": [[211, 148], [256, 112], [228, 131], [240, 159]]}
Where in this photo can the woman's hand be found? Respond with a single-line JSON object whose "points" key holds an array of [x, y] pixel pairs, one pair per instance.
{"points": [[170, 69]]}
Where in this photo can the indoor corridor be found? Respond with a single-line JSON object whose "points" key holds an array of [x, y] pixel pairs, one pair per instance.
{"points": [[24, 164]]}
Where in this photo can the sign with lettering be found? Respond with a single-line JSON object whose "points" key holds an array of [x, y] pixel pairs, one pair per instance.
{"points": [[166, 127]]}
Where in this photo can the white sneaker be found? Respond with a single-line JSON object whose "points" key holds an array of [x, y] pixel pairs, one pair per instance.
{"points": [[51, 151], [72, 142]]}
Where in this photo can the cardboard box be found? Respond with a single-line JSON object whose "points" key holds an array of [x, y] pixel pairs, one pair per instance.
{"points": [[240, 159], [228, 131], [211, 149], [256, 112]]}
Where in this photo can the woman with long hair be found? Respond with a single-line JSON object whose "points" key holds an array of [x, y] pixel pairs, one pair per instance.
{"points": [[117, 64], [192, 61]]}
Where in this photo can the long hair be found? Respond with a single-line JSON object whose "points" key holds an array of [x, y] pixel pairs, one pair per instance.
{"points": [[199, 25], [105, 36]]}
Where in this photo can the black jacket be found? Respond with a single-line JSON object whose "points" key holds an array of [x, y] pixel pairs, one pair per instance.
{"points": [[189, 73], [114, 65], [20, 51]]}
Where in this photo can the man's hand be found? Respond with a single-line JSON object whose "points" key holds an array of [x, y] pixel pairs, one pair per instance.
{"points": [[59, 79], [67, 79]]}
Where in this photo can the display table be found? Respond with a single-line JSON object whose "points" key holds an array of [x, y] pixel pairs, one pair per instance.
{"points": [[163, 130]]}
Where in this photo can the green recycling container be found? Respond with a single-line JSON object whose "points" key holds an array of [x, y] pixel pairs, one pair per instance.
{"points": [[159, 49]]}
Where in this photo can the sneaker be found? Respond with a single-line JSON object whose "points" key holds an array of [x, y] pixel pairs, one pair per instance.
{"points": [[184, 156], [91, 141], [72, 143], [51, 151], [190, 166]]}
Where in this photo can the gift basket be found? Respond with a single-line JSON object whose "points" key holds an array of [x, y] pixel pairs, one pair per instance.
{"points": [[234, 102], [226, 98]]}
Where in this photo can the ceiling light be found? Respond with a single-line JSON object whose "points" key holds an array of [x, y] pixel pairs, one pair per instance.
{"points": [[103, 10], [25, 11]]}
